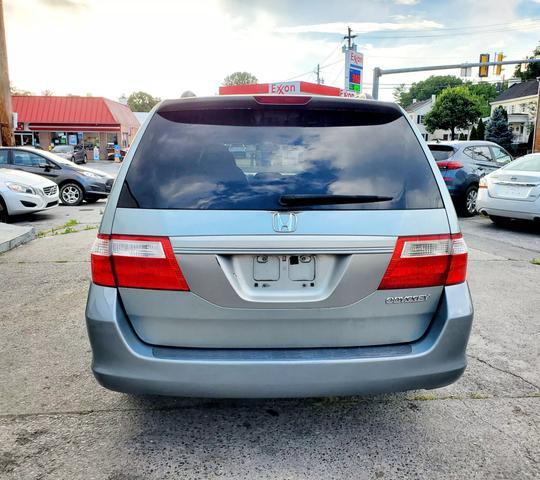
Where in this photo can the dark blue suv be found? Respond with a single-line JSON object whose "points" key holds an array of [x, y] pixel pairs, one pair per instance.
{"points": [[462, 164]]}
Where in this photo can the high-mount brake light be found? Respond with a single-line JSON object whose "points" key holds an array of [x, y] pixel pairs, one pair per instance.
{"points": [[133, 261], [426, 261], [282, 99]]}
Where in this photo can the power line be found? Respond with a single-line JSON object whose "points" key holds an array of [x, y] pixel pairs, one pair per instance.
{"points": [[505, 26], [485, 32]]}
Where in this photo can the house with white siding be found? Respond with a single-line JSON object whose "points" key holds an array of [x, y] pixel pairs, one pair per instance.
{"points": [[519, 101]]}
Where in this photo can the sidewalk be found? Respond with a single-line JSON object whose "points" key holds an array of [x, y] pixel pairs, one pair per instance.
{"points": [[12, 236]]}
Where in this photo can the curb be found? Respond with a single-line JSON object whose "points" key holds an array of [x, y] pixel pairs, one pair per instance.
{"points": [[12, 236]]}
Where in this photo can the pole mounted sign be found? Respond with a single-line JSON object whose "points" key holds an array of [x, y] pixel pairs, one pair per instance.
{"points": [[354, 71]]}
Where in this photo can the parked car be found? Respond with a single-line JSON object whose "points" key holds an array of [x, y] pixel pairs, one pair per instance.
{"points": [[73, 153], [22, 192], [513, 192], [463, 164], [322, 261], [76, 183]]}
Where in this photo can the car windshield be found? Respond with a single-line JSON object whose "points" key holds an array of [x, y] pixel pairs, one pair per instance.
{"points": [[528, 163], [237, 165], [63, 149], [441, 152]]}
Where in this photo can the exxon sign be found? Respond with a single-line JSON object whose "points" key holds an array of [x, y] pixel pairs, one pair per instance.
{"points": [[354, 71], [284, 88]]}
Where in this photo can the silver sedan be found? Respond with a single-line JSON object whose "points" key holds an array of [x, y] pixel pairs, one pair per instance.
{"points": [[512, 192]]}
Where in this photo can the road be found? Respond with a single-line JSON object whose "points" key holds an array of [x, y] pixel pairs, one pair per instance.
{"points": [[57, 422]]}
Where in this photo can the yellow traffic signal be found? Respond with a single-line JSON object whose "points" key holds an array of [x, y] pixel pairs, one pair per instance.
{"points": [[483, 71], [498, 68]]}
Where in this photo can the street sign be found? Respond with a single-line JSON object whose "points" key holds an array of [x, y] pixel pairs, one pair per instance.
{"points": [[354, 71], [483, 71]]}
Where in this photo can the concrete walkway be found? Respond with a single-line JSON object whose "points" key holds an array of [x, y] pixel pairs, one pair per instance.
{"points": [[12, 236]]}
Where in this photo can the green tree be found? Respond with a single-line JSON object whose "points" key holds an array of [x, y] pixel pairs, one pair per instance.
{"points": [[481, 130], [486, 92], [497, 129], [474, 134], [142, 101], [532, 70], [423, 89], [239, 78], [454, 108], [18, 91]]}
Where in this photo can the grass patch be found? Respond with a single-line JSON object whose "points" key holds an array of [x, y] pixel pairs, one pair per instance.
{"points": [[535, 261], [478, 396], [90, 227], [70, 223]]}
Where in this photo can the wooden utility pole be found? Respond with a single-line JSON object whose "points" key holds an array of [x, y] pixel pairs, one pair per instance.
{"points": [[6, 126], [536, 138], [349, 37]]}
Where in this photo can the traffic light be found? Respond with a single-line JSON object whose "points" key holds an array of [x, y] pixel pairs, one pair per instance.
{"points": [[498, 68], [483, 71]]}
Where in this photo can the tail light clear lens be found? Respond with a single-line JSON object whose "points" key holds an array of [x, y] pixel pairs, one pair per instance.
{"points": [[483, 183], [136, 262], [426, 261]]}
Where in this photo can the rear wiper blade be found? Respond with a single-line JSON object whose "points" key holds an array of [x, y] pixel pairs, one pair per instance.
{"points": [[308, 199]]}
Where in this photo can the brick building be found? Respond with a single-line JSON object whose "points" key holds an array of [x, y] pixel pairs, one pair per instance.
{"points": [[87, 121]]}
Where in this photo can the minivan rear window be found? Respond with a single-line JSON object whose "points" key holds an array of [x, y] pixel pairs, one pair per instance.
{"points": [[441, 152], [249, 159]]}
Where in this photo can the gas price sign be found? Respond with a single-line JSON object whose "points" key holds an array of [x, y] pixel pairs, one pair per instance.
{"points": [[354, 71]]}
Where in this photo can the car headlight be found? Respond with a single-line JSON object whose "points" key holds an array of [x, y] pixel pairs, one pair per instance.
{"points": [[91, 175], [20, 188]]}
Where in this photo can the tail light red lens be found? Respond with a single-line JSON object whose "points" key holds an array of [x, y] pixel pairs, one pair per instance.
{"points": [[451, 165], [426, 261], [136, 262]]}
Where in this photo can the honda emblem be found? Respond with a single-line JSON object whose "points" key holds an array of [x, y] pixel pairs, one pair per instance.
{"points": [[284, 222]]}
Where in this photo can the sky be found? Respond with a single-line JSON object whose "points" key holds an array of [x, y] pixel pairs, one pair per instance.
{"points": [[164, 47]]}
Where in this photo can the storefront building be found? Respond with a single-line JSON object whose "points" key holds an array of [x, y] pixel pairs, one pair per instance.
{"points": [[46, 121]]}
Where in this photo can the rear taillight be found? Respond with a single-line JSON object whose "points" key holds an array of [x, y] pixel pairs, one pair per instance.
{"points": [[426, 261], [483, 183], [450, 165], [136, 262]]}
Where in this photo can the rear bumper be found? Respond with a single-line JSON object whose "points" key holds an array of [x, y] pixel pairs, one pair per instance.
{"points": [[122, 362], [502, 207]]}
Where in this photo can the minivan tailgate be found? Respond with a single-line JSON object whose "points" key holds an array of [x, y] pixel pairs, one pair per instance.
{"points": [[343, 308]]}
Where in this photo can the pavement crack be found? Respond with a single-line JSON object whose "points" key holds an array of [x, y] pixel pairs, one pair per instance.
{"points": [[502, 370], [215, 405]]}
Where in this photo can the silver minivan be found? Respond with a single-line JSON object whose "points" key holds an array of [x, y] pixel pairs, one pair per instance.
{"points": [[278, 246]]}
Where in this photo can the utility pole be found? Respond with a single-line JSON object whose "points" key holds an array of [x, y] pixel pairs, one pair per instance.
{"points": [[536, 138], [349, 38], [318, 72], [6, 119]]}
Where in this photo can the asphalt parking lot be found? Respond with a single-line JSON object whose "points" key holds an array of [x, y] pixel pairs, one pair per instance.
{"points": [[57, 422]]}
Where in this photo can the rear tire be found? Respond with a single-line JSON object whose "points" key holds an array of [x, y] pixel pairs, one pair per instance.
{"points": [[71, 194], [468, 202], [4, 217]]}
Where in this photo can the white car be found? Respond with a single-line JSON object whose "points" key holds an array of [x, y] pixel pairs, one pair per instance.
{"points": [[513, 191], [23, 192]]}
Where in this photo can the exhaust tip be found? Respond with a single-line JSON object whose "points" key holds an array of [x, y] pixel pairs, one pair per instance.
{"points": [[483, 213]]}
